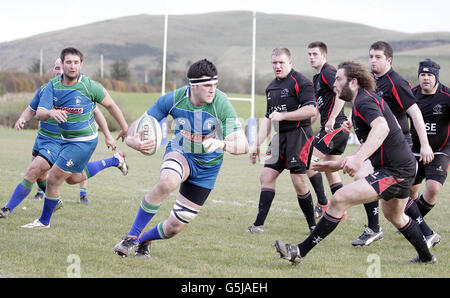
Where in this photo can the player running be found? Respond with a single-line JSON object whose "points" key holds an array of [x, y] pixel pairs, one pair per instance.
{"points": [[70, 100], [381, 142], [206, 126], [330, 142]]}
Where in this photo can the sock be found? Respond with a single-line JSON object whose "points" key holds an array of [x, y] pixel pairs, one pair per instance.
{"points": [[423, 205], [42, 186], [324, 227], [306, 204], [265, 201], [412, 210], [144, 215], [83, 191], [156, 233], [20, 193], [317, 184], [413, 234], [47, 210], [94, 167], [372, 216], [335, 187]]}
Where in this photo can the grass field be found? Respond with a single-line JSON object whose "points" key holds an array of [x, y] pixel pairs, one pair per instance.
{"points": [[213, 245]]}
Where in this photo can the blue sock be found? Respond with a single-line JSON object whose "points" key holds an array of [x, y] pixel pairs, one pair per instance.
{"points": [[20, 193], [144, 215], [155, 233], [47, 210], [83, 191], [94, 167]]}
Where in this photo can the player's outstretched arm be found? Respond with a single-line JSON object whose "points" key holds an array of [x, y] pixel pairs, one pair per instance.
{"points": [[101, 121], [115, 111], [26, 116]]}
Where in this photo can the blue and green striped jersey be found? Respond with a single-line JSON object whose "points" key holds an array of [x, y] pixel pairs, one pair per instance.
{"points": [[79, 101], [47, 128]]}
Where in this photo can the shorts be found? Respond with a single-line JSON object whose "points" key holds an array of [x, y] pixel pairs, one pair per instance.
{"points": [[47, 147], [74, 156], [436, 170], [332, 143], [203, 175], [392, 182], [290, 150]]}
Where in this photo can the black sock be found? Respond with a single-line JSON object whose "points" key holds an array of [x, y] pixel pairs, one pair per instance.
{"points": [[265, 201], [412, 210], [306, 204], [317, 184], [324, 227], [423, 205], [372, 216], [335, 187], [414, 235]]}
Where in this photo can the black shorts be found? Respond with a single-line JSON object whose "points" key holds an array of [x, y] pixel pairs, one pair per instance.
{"points": [[194, 193], [436, 170], [290, 150], [332, 143], [392, 183]]}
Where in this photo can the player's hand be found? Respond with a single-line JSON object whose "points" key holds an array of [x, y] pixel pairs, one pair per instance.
{"points": [[326, 166], [59, 115], [276, 116], [110, 142], [254, 154], [426, 154], [122, 134], [213, 144], [20, 123], [329, 126], [352, 164], [347, 126], [137, 144]]}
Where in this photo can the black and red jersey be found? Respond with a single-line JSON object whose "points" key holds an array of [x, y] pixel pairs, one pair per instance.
{"points": [[325, 96], [435, 110], [287, 95], [395, 151], [396, 91]]}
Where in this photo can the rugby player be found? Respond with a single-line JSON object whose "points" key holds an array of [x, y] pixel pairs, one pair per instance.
{"points": [[396, 92], [70, 99], [206, 126], [433, 99], [383, 143], [330, 142]]}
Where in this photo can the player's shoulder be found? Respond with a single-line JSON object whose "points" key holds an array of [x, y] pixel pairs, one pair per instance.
{"points": [[397, 78], [445, 91]]}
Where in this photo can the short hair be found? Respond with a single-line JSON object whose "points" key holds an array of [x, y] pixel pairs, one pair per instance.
{"points": [[202, 68], [383, 46], [319, 44], [355, 70], [281, 51], [72, 51]]}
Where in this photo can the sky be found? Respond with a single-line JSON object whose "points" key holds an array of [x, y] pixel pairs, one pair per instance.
{"points": [[21, 18]]}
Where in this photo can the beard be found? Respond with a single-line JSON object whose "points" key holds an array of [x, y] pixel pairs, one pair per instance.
{"points": [[346, 93]]}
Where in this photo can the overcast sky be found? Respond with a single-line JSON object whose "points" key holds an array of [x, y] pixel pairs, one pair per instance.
{"points": [[20, 18]]}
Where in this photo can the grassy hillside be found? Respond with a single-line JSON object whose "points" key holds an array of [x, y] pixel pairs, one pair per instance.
{"points": [[227, 41]]}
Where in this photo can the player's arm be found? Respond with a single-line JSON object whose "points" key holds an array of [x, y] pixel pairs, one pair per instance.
{"points": [[426, 153], [303, 113], [115, 111], [338, 106], [379, 130], [101, 121], [26, 116]]}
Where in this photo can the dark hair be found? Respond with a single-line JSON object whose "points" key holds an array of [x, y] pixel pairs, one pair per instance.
{"points": [[318, 44], [72, 51], [383, 46], [202, 68], [281, 51], [355, 70]]}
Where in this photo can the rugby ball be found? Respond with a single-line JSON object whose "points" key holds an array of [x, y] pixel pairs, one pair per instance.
{"points": [[152, 131]]}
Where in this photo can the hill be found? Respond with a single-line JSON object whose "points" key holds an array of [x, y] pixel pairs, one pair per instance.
{"points": [[225, 38]]}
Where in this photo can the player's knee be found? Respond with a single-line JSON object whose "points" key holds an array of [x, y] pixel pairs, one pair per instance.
{"points": [[166, 186]]}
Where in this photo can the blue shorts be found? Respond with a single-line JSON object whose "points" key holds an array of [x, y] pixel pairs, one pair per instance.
{"points": [[47, 147], [74, 156], [200, 174]]}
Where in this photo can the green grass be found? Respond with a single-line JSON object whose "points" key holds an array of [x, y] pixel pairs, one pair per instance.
{"points": [[213, 245]]}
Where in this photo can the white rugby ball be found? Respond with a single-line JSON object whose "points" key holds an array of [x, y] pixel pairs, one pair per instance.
{"points": [[152, 131]]}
